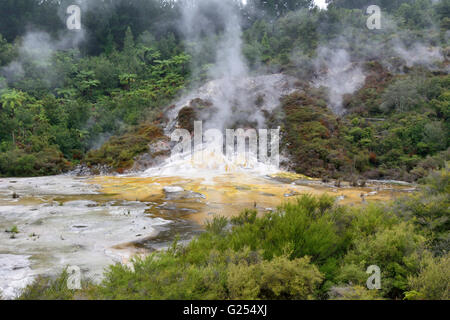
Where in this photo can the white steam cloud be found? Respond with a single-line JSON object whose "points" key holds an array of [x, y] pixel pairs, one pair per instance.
{"points": [[37, 48], [229, 66], [418, 54], [339, 75]]}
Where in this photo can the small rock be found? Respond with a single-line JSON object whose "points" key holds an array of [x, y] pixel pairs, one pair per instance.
{"points": [[173, 189], [291, 193]]}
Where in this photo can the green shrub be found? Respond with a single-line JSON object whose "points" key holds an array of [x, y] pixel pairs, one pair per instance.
{"points": [[162, 276], [433, 280], [120, 151], [395, 250], [429, 210], [45, 288], [280, 278]]}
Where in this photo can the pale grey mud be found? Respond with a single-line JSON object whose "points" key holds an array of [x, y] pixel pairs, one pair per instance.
{"points": [[49, 223]]}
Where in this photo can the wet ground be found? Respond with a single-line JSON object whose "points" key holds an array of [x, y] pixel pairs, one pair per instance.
{"points": [[93, 222], [200, 199]]}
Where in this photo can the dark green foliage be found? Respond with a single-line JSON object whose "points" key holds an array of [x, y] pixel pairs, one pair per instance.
{"points": [[408, 135], [17, 15], [97, 97]]}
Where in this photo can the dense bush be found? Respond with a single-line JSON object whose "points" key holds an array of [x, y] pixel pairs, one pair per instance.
{"points": [[432, 282], [430, 210], [52, 289], [96, 97], [120, 152], [280, 278], [311, 135]]}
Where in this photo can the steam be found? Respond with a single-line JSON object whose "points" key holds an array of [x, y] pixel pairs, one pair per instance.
{"points": [[321, 4], [37, 49], [338, 64], [202, 19], [13, 72], [339, 75], [418, 54], [342, 75]]}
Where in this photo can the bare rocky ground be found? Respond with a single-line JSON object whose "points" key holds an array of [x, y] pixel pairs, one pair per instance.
{"points": [[64, 221]]}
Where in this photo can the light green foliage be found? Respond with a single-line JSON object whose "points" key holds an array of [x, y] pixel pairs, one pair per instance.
{"points": [[280, 278], [51, 289], [13, 230], [163, 276], [394, 250], [383, 238], [12, 99], [433, 280], [430, 210]]}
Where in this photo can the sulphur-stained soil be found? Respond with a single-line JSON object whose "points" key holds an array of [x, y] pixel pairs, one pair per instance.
{"points": [[227, 195]]}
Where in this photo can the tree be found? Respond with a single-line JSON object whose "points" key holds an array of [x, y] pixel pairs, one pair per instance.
{"points": [[432, 283], [277, 8], [87, 82], [6, 51], [128, 44], [18, 15], [12, 99], [361, 4], [435, 136]]}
